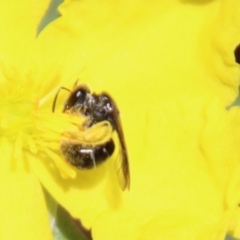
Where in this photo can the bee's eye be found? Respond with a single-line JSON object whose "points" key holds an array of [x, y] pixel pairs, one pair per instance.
{"points": [[77, 97], [80, 96]]}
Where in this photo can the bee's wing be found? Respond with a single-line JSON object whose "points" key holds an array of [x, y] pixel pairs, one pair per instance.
{"points": [[121, 163]]}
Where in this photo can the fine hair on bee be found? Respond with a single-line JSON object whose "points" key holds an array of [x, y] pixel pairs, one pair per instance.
{"points": [[99, 110]]}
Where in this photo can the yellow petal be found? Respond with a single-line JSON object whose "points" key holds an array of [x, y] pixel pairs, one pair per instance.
{"points": [[18, 30], [22, 206], [170, 68]]}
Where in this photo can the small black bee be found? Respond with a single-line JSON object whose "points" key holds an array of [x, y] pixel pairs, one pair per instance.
{"points": [[97, 108]]}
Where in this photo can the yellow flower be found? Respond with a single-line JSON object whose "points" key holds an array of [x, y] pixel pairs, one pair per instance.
{"points": [[170, 67], [23, 212]]}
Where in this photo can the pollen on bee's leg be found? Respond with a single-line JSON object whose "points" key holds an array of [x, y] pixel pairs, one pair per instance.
{"points": [[100, 132], [65, 169], [73, 135]]}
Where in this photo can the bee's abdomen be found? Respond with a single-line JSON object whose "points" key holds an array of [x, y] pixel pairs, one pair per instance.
{"points": [[86, 156]]}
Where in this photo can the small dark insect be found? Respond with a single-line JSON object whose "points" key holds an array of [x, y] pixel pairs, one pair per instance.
{"points": [[98, 109]]}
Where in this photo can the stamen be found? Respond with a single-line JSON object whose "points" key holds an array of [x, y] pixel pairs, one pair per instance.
{"points": [[65, 169], [18, 146], [4, 120], [51, 145], [32, 145]]}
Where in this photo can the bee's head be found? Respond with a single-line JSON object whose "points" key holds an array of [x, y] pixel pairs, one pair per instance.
{"points": [[77, 98]]}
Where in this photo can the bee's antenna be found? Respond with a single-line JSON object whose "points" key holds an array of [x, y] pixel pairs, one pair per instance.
{"points": [[56, 96], [75, 84]]}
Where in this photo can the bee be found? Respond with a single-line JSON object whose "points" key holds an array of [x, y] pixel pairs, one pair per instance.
{"points": [[97, 109]]}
